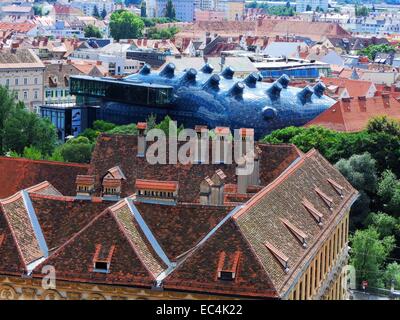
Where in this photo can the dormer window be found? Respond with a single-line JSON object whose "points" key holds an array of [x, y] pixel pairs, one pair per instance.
{"points": [[101, 266], [156, 191], [328, 200], [228, 266], [111, 187], [102, 258], [279, 255], [84, 185], [338, 188]]}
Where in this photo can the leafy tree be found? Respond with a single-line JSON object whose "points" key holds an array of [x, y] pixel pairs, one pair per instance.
{"points": [[389, 192], [170, 10], [76, 150], [360, 170], [129, 129], [392, 274], [362, 11], [151, 122], [372, 50], [96, 13], [91, 31], [125, 25], [103, 13], [24, 128], [385, 224], [164, 33], [369, 253], [308, 8], [32, 153], [38, 10], [7, 108], [164, 125]]}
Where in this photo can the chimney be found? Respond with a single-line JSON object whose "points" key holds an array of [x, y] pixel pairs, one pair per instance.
{"points": [[205, 191], [246, 135], [141, 127], [201, 151], [98, 63], [222, 147]]}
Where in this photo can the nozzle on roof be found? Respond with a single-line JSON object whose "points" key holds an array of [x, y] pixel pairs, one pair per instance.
{"points": [[207, 68], [284, 80], [228, 72], [237, 90], [274, 92], [190, 74], [251, 80], [168, 71], [319, 89], [305, 94], [212, 82], [146, 69]]}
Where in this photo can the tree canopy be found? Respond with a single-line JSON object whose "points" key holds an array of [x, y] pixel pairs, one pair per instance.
{"points": [[91, 31], [125, 25]]}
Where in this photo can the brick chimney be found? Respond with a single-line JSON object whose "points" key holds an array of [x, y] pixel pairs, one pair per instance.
{"points": [[141, 127], [222, 146]]}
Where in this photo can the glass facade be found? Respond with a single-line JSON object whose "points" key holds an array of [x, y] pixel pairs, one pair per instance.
{"points": [[307, 73], [122, 92]]}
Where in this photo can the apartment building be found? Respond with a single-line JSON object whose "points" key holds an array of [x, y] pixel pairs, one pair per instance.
{"points": [[22, 72]]}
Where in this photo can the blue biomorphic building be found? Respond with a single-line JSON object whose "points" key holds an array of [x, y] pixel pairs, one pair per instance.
{"points": [[202, 98]]}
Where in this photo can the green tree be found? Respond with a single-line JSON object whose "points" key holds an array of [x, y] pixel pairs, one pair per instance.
{"points": [[392, 274], [125, 25], [385, 224], [368, 254], [91, 31], [372, 50], [7, 108], [170, 10], [23, 129], [129, 129], [103, 13], [32, 153], [308, 8], [389, 192], [77, 150], [96, 13], [360, 170], [143, 12]]}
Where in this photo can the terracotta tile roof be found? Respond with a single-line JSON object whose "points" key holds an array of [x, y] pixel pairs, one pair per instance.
{"points": [[22, 27], [352, 115], [74, 259], [355, 88], [122, 150], [15, 211], [86, 180], [179, 228], [11, 261], [62, 217], [258, 219], [23, 173]]}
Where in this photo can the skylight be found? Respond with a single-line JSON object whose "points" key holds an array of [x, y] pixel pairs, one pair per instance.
{"points": [[338, 188], [296, 231], [328, 200], [314, 212]]}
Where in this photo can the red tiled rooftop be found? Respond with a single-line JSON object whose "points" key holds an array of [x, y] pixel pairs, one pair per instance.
{"points": [[352, 115], [24, 173]]}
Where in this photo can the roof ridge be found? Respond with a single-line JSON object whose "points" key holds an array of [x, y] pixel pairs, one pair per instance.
{"points": [[25, 160]]}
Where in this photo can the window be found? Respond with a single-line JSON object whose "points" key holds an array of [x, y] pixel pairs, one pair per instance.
{"points": [[7, 82], [36, 94], [25, 81], [16, 81], [25, 95], [36, 81], [101, 266]]}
